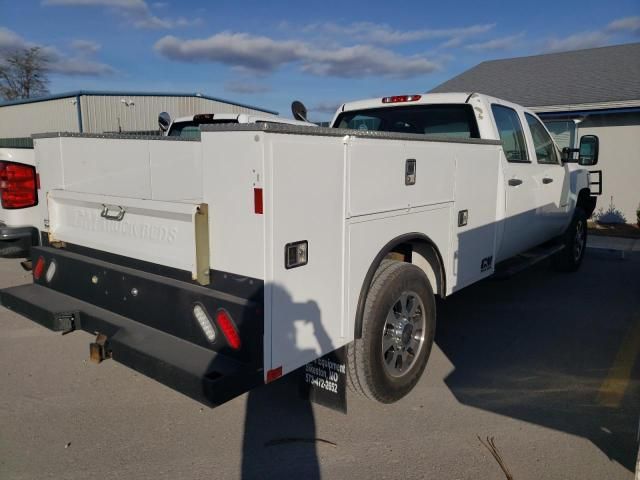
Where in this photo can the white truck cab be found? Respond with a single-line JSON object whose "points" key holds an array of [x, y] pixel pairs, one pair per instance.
{"points": [[220, 261]]}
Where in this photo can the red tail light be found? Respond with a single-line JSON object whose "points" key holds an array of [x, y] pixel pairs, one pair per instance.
{"points": [[228, 329], [257, 201], [401, 98], [39, 268], [18, 185]]}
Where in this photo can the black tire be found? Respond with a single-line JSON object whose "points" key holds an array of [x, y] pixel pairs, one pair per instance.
{"points": [[570, 257], [373, 373]]}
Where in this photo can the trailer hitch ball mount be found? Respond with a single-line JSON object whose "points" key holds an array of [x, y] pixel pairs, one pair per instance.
{"points": [[98, 350]]}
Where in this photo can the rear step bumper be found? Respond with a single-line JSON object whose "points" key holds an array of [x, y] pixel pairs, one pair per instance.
{"points": [[202, 374]]}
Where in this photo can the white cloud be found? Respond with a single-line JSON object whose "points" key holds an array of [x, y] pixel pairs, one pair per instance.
{"points": [[365, 60], [246, 88], [614, 30], [264, 54], [86, 47], [628, 24], [136, 12], [79, 64], [325, 107], [234, 49], [577, 41], [503, 43], [382, 34], [10, 40]]}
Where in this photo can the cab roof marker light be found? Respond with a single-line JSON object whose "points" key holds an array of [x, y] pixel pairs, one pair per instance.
{"points": [[201, 316], [401, 98]]}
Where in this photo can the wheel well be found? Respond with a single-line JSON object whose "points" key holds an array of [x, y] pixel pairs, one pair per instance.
{"points": [[417, 249], [586, 201]]}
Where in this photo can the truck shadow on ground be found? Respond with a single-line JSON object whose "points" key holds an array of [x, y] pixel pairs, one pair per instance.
{"points": [[556, 350], [279, 437]]}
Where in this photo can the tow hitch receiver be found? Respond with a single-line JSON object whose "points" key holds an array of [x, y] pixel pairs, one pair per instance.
{"points": [[98, 349]]}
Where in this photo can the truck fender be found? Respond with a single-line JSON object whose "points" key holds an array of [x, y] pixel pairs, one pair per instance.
{"points": [[415, 248]]}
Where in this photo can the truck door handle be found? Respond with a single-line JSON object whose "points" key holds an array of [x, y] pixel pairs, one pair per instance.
{"points": [[514, 182], [546, 180]]}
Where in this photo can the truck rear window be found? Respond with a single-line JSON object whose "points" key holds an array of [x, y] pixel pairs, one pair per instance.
{"points": [[456, 121]]}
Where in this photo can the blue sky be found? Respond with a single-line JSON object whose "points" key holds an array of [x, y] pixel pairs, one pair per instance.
{"points": [[321, 52]]}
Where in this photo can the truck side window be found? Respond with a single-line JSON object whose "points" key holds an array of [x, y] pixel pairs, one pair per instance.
{"points": [[545, 149], [511, 134]]}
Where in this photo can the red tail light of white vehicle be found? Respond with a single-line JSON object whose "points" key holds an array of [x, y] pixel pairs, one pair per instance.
{"points": [[18, 185]]}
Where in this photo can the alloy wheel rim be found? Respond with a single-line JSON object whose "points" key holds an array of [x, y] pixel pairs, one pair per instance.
{"points": [[403, 334]]}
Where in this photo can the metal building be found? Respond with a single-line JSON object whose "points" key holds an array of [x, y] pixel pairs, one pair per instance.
{"points": [[101, 111]]}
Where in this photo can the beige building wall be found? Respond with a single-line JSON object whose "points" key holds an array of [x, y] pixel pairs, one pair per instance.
{"points": [[108, 113], [619, 160], [59, 115], [104, 113]]}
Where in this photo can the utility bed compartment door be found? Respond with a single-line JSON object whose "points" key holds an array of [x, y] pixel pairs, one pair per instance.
{"points": [[173, 234]]}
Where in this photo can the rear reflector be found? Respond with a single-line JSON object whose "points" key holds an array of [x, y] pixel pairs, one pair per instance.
{"points": [[228, 328], [401, 98], [39, 268], [274, 374], [51, 271], [257, 201], [203, 320], [18, 185]]}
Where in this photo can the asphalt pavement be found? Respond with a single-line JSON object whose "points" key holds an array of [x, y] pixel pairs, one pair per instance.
{"points": [[544, 366]]}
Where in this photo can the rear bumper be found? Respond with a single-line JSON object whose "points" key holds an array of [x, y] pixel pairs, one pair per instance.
{"points": [[22, 237], [155, 343], [201, 374]]}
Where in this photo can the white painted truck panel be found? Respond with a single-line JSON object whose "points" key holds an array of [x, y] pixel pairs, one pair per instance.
{"points": [[149, 230], [176, 170], [367, 236], [477, 191], [306, 203], [377, 175], [109, 167], [232, 168]]}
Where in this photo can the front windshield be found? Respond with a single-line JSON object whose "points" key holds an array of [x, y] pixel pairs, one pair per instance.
{"points": [[457, 120]]}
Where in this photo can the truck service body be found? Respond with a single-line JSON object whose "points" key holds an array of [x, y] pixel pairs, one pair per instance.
{"points": [[223, 261], [20, 223]]}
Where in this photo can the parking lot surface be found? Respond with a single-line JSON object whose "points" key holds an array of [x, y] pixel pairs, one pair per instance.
{"points": [[545, 364]]}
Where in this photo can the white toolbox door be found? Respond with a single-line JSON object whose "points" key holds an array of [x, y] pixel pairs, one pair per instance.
{"points": [[173, 234]]}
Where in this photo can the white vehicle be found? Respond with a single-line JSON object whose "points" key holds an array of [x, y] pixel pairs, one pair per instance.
{"points": [[18, 201], [217, 263]]}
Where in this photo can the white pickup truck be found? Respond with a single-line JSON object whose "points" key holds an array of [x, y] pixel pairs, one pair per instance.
{"points": [[217, 263]]}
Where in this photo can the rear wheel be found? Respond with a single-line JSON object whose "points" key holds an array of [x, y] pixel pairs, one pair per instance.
{"points": [[570, 257], [397, 333]]}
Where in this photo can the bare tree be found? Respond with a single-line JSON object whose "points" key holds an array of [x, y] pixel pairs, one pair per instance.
{"points": [[23, 74]]}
